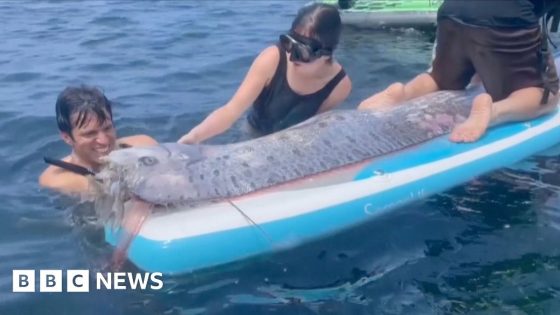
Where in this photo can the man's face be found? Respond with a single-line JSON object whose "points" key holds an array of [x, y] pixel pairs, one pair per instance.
{"points": [[92, 141]]}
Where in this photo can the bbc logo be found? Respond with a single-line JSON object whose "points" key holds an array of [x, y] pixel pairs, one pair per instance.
{"points": [[50, 281], [79, 280]]}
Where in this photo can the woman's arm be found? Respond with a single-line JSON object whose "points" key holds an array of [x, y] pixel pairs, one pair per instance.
{"points": [[220, 120]]}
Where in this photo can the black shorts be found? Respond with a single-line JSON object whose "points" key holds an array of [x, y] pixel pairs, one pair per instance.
{"points": [[505, 59]]}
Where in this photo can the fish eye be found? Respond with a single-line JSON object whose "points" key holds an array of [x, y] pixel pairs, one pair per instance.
{"points": [[148, 160]]}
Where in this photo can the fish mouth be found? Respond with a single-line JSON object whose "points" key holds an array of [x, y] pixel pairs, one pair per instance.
{"points": [[116, 186], [112, 192]]}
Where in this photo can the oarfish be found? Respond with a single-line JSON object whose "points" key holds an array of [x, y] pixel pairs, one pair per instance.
{"points": [[171, 174]]}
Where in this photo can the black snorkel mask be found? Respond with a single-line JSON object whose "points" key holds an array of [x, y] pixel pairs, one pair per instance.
{"points": [[303, 49]]}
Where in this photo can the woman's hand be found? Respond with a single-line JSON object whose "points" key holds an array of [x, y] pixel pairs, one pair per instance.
{"points": [[222, 119], [188, 138]]}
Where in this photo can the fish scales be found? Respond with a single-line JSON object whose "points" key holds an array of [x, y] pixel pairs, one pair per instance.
{"points": [[173, 173]]}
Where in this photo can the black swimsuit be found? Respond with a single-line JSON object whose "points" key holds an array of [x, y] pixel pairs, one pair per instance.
{"points": [[278, 107]]}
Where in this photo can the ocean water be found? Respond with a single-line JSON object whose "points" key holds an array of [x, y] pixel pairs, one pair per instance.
{"points": [[489, 246]]}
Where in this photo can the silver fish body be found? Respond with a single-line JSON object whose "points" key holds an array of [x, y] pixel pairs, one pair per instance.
{"points": [[171, 174]]}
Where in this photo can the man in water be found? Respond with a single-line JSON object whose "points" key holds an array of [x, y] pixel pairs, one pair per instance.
{"points": [[85, 121], [502, 42]]}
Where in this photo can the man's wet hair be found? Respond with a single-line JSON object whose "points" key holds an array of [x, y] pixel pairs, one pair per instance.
{"points": [[76, 106]]}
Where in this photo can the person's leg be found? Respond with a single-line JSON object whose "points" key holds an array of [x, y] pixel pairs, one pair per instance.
{"points": [[451, 70], [503, 71], [397, 92], [477, 122], [521, 105]]}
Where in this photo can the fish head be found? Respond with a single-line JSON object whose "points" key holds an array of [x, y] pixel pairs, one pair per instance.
{"points": [[154, 174]]}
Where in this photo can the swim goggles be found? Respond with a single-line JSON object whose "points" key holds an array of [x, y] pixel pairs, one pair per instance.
{"points": [[303, 49]]}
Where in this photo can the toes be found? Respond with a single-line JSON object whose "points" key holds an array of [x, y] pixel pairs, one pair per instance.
{"points": [[456, 136], [469, 138], [462, 134], [470, 135], [474, 136]]}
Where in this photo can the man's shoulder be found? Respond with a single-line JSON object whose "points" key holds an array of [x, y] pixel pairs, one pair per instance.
{"points": [[59, 179]]}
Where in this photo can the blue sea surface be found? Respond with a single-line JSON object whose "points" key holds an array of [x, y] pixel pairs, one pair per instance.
{"points": [[489, 246]]}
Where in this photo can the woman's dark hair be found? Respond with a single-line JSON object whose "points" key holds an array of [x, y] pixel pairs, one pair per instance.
{"points": [[321, 22], [85, 102]]}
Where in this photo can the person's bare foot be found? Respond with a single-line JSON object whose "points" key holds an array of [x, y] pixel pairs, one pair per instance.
{"points": [[392, 95], [476, 124]]}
